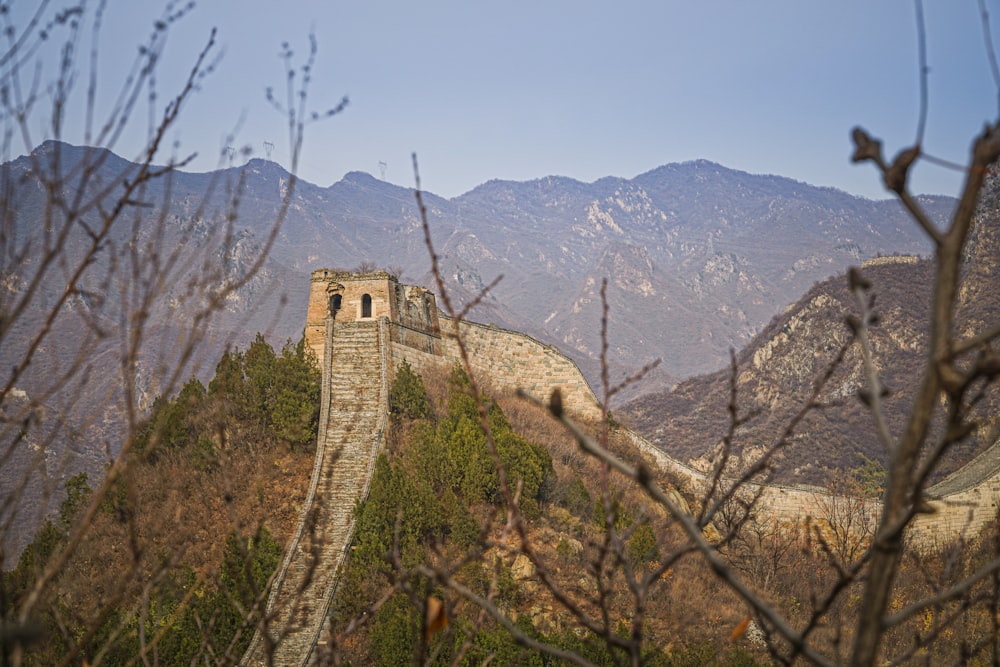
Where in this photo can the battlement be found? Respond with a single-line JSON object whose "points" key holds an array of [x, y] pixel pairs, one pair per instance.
{"points": [[890, 259], [354, 297]]}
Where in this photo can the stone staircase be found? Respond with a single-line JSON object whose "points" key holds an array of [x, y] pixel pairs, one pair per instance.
{"points": [[353, 414]]}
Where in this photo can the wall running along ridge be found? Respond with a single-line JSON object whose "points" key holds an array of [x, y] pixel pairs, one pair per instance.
{"points": [[377, 325]]}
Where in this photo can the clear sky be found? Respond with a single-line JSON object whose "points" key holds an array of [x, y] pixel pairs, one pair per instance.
{"points": [[522, 89]]}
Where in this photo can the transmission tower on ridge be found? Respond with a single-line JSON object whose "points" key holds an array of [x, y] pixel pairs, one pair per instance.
{"points": [[268, 147], [382, 166]]}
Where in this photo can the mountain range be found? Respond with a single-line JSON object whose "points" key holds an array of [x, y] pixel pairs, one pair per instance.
{"points": [[693, 239], [697, 258]]}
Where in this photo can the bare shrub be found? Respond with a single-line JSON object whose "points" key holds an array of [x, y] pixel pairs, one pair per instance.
{"points": [[106, 275]]}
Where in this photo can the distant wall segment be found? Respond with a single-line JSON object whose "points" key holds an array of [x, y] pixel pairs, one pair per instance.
{"points": [[960, 506]]}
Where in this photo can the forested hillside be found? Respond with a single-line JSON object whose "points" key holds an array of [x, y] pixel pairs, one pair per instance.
{"points": [[438, 500], [441, 571], [169, 569]]}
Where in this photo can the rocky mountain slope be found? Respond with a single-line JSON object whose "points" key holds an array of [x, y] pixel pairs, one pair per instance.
{"points": [[777, 370], [698, 256]]}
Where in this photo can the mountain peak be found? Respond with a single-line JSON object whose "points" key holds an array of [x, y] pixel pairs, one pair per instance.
{"points": [[362, 177], [266, 168], [70, 152]]}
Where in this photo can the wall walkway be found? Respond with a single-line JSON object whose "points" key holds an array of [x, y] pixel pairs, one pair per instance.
{"points": [[352, 421], [963, 503]]}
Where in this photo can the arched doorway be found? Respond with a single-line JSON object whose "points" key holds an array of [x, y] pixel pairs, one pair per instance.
{"points": [[366, 305]]}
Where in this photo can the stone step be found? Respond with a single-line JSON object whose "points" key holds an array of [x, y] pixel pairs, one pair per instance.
{"points": [[350, 445]]}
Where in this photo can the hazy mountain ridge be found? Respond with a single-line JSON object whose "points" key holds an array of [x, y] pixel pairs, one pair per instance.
{"points": [[698, 256], [719, 242]]}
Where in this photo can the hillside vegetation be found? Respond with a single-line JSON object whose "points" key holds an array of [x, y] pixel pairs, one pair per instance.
{"points": [[435, 498], [596, 565], [188, 539], [176, 558]]}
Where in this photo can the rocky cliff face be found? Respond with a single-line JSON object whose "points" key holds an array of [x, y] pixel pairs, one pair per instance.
{"points": [[698, 257]]}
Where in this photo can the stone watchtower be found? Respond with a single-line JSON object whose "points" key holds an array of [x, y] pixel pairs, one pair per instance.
{"points": [[361, 297], [361, 326], [354, 323]]}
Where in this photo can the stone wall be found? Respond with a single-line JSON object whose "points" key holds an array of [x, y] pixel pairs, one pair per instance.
{"points": [[889, 259], [415, 308], [510, 360], [514, 360], [353, 297], [963, 503]]}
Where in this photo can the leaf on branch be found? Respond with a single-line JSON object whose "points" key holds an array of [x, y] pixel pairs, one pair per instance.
{"points": [[436, 618], [740, 629], [989, 365], [961, 430], [865, 397], [952, 380], [642, 475], [857, 281], [555, 403]]}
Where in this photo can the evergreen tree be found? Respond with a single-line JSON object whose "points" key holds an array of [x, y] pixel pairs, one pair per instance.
{"points": [[294, 415], [408, 397], [228, 381], [256, 397]]}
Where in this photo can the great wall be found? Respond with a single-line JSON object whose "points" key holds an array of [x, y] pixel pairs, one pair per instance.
{"points": [[362, 327]]}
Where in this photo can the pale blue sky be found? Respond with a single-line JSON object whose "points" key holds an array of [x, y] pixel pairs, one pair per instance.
{"points": [[524, 89]]}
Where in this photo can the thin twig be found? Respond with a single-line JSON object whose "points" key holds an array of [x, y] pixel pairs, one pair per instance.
{"points": [[924, 70], [874, 393], [991, 54]]}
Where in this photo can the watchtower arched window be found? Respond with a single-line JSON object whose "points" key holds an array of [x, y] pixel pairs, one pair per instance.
{"points": [[366, 305], [335, 302]]}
